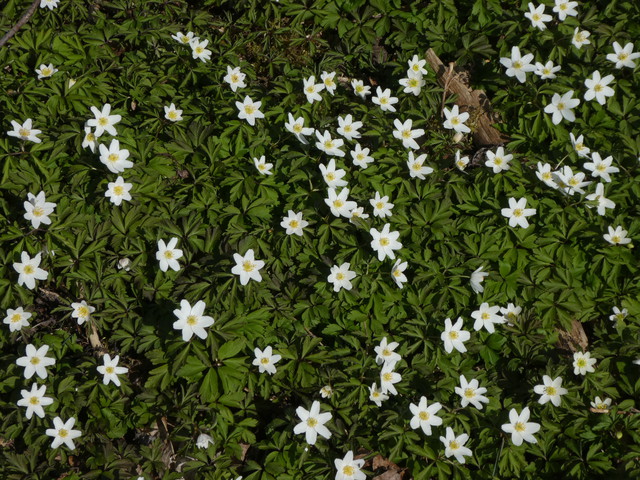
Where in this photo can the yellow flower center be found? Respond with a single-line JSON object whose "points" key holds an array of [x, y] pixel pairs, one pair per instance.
{"points": [[424, 415], [234, 78], [24, 132], [563, 6], [297, 128], [453, 335], [384, 241], [331, 177], [37, 212], [109, 370], [46, 72], [406, 134], [294, 224], [379, 205], [623, 56], [598, 87], [62, 433], [118, 190], [199, 50], [469, 393], [387, 377], [185, 39], [454, 445], [264, 360], [168, 254], [551, 391], [347, 128], [35, 360], [173, 114], [581, 363], [113, 157], [386, 352], [103, 121], [16, 317], [90, 137], [455, 121], [329, 82], [546, 176], [339, 276], [261, 166], [561, 106], [249, 109], [34, 401], [413, 82], [546, 71], [580, 37], [485, 316], [29, 270], [536, 17], [497, 161], [615, 239], [573, 181], [396, 273], [359, 89], [312, 422], [519, 427], [310, 89], [348, 471], [338, 203], [375, 394], [83, 311], [601, 167], [384, 100], [248, 266], [192, 320], [517, 64], [602, 406], [518, 212], [328, 144]]}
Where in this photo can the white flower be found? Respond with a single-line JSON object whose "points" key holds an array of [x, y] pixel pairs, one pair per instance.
{"points": [[453, 336], [172, 114], [385, 100], [17, 319], [461, 162], [477, 277], [45, 71], [118, 191], [199, 49], [455, 445], [249, 110], [326, 391], [24, 131], [348, 128], [29, 270], [471, 393], [413, 83], [486, 317], [550, 390], [417, 65], [191, 320], [570, 182], [296, 126], [498, 160], [580, 37], [537, 16], [265, 360], [510, 313], [294, 223], [519, 428], [385, 242], [328, 145], [82, 311], [168, 255], [341, 277], [327, 80], [598, 88], [603, 202], [37, 209], [599, 404], [110, 370], [89, 139], [424, 416], [263, 167], [357, 212], [333, 177], [417, 167], [562, 107], [204, 440], [339, 204], [547, 70], [312, 423], [312, 89], [63, 433], [578, 145], [385, 352], [35, 361], [50, 4], [247, 267], [544, 173], [34, 400], [348, 468], [455, 120], [114, 158], [583, 363], [103, 122], [397, 272], [381, 206], [361, 156], [184, 39], [617, 236], [518, 66], [600, 167], [564, 8], [360, 89], [406, 134], [623, 57], [124, 264], [517, 212], [235, 78], [388, 378], [377, 396]]}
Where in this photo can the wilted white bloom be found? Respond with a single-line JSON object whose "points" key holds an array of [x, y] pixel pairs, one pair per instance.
{"points": [[477, 277], [204, 440]]}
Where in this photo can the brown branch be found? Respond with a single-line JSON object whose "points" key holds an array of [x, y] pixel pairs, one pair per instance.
{"points": [[25, 18], [473, 101]]}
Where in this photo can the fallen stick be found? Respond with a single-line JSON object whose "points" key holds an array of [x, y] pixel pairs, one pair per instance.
{"points": [[475, 102]]}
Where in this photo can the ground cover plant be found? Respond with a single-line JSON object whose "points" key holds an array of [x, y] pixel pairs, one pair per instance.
{"points": [[261, 240]]}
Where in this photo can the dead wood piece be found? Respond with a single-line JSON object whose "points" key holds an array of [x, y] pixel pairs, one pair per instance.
{"points": [[574, 340], [24, 19], [455, 80]]}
